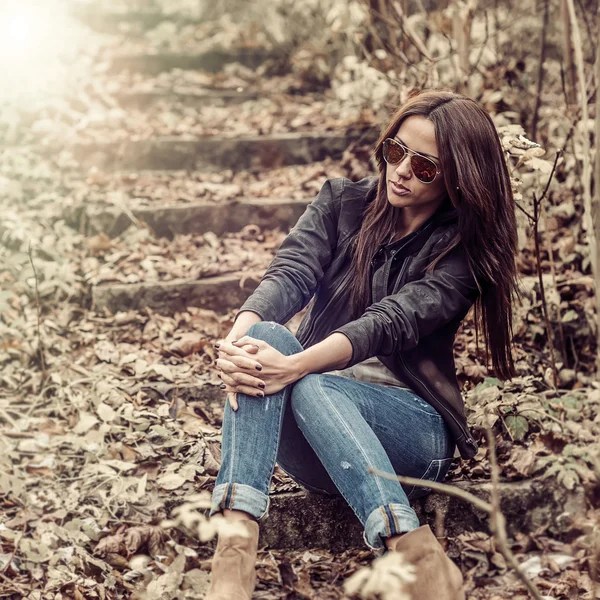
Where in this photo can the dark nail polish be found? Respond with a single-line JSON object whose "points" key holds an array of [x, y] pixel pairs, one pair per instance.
{"points": [[219, 375], [217, 345], [261, 385], [260, 394], [222, 386], [258, 368]]}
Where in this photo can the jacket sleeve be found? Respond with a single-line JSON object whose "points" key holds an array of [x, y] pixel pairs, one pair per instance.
{"points": [[294, 274], [399, 321]]}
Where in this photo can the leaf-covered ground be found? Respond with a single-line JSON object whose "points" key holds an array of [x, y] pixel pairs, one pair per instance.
{"points": [[105, 421]]}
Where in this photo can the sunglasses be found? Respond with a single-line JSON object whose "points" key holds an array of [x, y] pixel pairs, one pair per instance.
{"points": [[423, 168]]}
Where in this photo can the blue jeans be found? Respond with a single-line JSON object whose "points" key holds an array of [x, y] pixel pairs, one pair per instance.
{"points": [[325, 431]]}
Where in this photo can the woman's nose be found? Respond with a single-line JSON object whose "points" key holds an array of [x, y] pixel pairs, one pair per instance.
{"points": [[403, 168]]}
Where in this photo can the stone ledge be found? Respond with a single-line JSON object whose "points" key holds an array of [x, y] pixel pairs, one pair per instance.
{"points": [[196, 218], [302, 519], [215, 153], [221, 293], [145, 100], [212, 61], [103, 21]]}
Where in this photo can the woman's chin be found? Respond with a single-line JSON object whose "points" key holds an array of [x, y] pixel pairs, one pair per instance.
{"points": [[396, 201]]}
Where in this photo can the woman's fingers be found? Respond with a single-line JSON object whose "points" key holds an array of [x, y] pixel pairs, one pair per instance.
{"points": [[238, 379], [246, 339], [250, 348], [232, 397], [242, 389], [238, 356], [235, 363]]}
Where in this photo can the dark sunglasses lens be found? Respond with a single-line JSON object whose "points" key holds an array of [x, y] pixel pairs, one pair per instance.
{"points": [[392, 153], [423, 168]]}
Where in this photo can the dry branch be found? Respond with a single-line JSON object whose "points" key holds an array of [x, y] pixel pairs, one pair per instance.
{"points": [[497, 519], [41, 348]]}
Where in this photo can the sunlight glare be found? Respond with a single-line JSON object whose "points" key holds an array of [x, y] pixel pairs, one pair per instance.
{"points": [[35, 39], [18, 31]]}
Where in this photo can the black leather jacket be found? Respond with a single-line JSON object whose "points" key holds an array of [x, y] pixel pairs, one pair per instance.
{"points": [[411, 331]]}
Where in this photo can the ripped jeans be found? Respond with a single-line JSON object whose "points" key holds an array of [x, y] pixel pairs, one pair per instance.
{"points": [[325, 431]]}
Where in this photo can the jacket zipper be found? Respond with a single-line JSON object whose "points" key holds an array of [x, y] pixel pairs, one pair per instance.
{"points": [[468, 439], [399, 278]]}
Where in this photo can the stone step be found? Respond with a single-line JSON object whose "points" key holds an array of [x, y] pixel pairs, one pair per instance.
{"points": [[145, 100], [215, 153], [138, 21], [196, 218], [304, 520], [212, 61], [221, 293]]}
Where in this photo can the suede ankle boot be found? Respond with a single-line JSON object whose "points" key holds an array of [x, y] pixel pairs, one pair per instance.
{"points": [[438, 578], [233, 574]]}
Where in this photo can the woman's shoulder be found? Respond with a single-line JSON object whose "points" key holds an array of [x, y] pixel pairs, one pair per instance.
{"points": [[346, 189], [358, 190]]}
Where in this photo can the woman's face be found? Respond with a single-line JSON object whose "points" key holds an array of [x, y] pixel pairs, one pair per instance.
{"points": [[419, 199]]}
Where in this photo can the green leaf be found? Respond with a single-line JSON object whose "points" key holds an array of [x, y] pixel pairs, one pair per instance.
{"points": [[570, 402], [488, 382], [569, 316], [517, 426]]}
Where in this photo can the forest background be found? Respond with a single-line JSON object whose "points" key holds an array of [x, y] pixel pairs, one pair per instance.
{"points": [[109, 418]]}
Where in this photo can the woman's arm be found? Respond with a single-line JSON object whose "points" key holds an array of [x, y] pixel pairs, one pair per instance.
{"points": [[399, 321], [332, 353], [240, 372], [300, 262], [242, 322]]}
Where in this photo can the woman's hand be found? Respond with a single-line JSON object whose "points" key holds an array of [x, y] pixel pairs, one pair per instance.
{"points": [[262, 370]]}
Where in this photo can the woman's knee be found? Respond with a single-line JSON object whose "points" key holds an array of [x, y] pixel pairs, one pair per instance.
{"points": [[275, 335], [306, 393]]}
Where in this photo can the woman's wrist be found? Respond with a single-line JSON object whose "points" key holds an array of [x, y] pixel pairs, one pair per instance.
{"points": [[334, 352], [297, 364], [243, 321]]}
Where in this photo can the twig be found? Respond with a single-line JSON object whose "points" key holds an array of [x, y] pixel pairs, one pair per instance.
{"points": [[538, 261], [438, 487], [561, 332], [15, 546], [527, 214], [535, 220], [588, 28], [483, 46], [497, 519], [39, 317], [410, 32]]}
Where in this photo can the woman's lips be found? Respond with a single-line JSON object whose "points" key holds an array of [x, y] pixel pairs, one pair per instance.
{"points": [[399, 189]]}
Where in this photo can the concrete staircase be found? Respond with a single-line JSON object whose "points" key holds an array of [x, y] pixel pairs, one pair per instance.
{"points": [[297, 519]]}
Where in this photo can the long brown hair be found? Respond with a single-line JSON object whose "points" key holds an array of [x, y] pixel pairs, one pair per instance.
{"points": [[478, 186]]}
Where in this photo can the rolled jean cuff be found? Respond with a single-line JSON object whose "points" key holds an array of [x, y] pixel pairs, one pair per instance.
{"points": [[387, 521], [238, 496]]}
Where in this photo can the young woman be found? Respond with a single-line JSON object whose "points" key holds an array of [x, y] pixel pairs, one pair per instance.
{"points": [[394, 263]]}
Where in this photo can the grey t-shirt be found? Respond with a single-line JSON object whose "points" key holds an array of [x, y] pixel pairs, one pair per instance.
{"points": [[371, 370]]}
